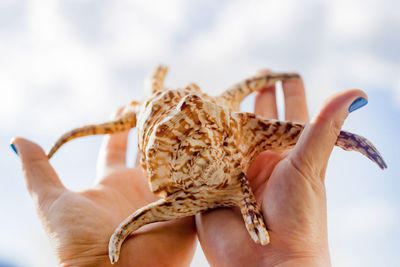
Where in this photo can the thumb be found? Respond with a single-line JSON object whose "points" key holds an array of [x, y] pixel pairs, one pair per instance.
{"points": [[315, 145], [42, 181]]}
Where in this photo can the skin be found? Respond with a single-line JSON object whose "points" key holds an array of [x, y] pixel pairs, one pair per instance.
{"points": [[289, 186], [79, 224]]}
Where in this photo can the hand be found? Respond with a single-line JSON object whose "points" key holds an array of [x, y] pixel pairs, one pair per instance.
{"points": [[289, 188], [79, 224]]}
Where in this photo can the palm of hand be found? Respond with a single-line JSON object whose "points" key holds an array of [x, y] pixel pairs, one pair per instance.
{"points": [[84, 221], [282, 193], [289, 188], [80, 224]]}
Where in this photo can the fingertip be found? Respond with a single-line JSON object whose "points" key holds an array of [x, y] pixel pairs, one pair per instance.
{"points": [[39, 174], [293, 85], [319, 137], [14, 141], [339, 105], [28, 150], [13, 147], [263, 72], [358, 103]]}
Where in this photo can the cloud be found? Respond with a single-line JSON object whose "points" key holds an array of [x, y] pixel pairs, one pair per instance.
{"points": [[66, 63], [364, 217], [349, 225], [73, 56]]}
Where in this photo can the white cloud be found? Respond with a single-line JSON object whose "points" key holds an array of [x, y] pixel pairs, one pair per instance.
{"points": [[355, 228], [352, 20], [331, 45], [243, 37], [58, 66], [359, 219]]}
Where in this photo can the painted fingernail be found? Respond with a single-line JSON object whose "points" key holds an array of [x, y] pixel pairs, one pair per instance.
{"points": [[358, 103], [14, 148]]}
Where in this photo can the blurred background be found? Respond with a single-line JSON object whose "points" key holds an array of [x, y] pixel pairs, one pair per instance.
{"points": [[66, 63]]}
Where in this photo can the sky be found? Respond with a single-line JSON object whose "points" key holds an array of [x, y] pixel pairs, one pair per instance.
{"points": [[69, 63]]}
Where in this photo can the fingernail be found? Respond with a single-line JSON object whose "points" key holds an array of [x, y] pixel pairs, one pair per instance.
{"points": [[358, 103], [14, 148]]}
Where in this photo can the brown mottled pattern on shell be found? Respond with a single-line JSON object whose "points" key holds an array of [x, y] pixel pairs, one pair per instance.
{"points": [[350, 141], [125, 122], [180, 204], [156, 80], [252, 214], [259, 134], [190, 146], [232, 97], [195, 150]]}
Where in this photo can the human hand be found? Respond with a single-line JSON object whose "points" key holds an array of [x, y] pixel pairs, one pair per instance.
{"points": [[80, 224], [289, 188]]}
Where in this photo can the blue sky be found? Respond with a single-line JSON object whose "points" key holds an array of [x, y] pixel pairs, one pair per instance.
{"points": [[68, 63]]}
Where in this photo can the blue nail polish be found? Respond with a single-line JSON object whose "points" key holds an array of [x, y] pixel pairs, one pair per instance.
{"points": [[14, 148], [358, 103]]}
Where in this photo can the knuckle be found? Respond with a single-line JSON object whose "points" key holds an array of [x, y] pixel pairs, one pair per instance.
{"points": [[335, 127]]}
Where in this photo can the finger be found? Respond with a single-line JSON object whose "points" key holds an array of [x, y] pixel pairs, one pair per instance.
{"points": [[113, 149], [315, 145], [265, 102], [42, 181], [295, 100], [138, 159]]}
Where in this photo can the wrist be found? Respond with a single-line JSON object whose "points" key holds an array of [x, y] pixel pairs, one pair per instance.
{"points": [[309, 262], [319, 257], [307, 255]]}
